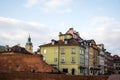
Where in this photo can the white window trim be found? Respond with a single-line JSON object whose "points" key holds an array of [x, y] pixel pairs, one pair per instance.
{"points": [[73, 50], [55, 51], [55, 59], [62, 50], [44, 51], [44, 59], [73, 59], [63, 59]]}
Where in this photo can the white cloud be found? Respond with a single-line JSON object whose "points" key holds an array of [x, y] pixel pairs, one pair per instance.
{"points": [[58, 6], [105, 30], [31, 3], [15, 31]]}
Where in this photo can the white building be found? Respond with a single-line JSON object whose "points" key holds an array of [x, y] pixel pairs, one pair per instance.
{"points": [[101, 58]]}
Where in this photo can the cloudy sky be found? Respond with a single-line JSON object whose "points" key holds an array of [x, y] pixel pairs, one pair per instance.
{"points": [[44, 19]]}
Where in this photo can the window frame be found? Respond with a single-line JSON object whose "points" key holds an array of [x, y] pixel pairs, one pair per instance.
{"points": [[73, 50], [73, 59], [63, 59], [62, 50], [55, 59], [44, 51]]}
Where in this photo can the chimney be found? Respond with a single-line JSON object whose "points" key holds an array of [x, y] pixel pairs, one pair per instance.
{"points": [[60, 33]]}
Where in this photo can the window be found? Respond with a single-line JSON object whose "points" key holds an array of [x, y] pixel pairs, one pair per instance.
{"points": [[65, 41], [62, 50], [73, 50], [65, 70], [44, 51], [81, 70], [62, 59], [53, 42], [73, 59], [81, 51], [82, 44], [81, 60], [55, 51], [55, 59], [44, 59]]}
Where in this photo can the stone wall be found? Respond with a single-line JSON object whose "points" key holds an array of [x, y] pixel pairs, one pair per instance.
{"points": [[46, 76], [24, 62]]}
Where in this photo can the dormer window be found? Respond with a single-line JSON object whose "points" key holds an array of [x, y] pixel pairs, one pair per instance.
{"points": [[82, 44], [90, 44], [65, 41], [53, 42], [80, 41]]}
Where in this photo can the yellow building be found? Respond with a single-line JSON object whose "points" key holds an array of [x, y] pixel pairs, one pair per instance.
{"points": [[66, 54]]}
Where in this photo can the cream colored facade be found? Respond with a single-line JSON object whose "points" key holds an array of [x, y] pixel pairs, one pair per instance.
{"points": [[68, 59], [72, 54], [66, 54]]}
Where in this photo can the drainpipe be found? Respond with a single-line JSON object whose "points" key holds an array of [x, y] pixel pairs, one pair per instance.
{"points": [[58, 57]]}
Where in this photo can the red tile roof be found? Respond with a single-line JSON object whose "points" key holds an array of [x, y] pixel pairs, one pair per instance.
{"points": [[17, 48], [70, 42]]}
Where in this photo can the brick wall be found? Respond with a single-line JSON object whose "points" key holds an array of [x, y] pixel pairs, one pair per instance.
{"points": [[24, 62], [46, 76], [19, 66]]}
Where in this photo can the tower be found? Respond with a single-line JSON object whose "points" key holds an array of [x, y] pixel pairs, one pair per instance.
{"points": [[29, 46]]}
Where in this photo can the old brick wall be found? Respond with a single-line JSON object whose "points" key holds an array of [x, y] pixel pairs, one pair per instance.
{"points": [[24, 62], [19, 66], [46, 76], [114, 77]]}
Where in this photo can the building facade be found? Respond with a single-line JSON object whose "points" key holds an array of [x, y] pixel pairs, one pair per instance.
{"points": [[66, 54], [109, 69], [2, 48], [85, 43], [91, 57], [101, 58], [116, 61], [74, 55]]}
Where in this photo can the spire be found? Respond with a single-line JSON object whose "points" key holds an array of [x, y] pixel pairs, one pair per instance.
{"points": [[29, 38], [29, 46], [29, 41]]}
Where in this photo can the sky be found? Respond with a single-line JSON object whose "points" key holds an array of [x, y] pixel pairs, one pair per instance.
{"points": [[44, 19]]}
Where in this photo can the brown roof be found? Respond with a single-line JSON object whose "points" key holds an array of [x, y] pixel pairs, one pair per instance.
{"points": [[116, 59], [18, 49], [73, 32], [70, 42], [93, 44]]}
